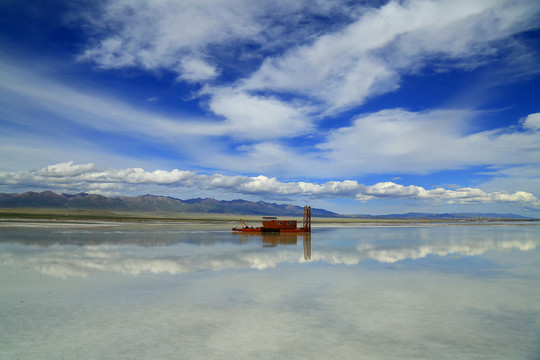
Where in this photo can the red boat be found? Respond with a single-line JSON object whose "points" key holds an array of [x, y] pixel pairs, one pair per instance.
{"points": [[272, 224]]}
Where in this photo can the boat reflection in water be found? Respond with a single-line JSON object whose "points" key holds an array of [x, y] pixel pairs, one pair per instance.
{"points": [[274, 239]]}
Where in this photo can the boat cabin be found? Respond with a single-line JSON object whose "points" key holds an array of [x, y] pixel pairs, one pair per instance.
{"points": [[272, 224]]}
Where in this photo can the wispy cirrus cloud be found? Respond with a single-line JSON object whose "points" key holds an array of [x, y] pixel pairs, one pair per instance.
{"points": [[70, 176], [398, 140], [236, 114]]}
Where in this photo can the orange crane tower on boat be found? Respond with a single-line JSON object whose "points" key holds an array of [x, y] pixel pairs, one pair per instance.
{"points": [[271, 224]]}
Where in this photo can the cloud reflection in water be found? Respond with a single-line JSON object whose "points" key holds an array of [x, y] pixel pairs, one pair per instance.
{"points": [[62, 259]]}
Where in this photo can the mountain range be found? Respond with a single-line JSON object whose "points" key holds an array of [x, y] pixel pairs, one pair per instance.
{"points": [[152, 203]]}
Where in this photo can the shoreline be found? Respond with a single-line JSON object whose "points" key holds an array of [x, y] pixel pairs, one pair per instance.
{"points": [[24, 214]]}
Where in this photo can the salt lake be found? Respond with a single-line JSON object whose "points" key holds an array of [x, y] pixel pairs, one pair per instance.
{"points": [[101, 290]]}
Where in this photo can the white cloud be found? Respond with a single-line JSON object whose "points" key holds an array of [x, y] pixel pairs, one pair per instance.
{"points": [[258, 117], [67, 169], [513, 178], [156, 34], [532, 122], [166, 34], [196, 70], [246, 116], [403, 141], [88, 176]]}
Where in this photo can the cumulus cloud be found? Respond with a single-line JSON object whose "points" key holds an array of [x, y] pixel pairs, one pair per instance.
{"points": [[532, 122], [66, 169], [89, 176], [514, 178], [258, 117], [196, 70]]}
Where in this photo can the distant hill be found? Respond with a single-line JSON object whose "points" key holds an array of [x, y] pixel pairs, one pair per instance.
{"points": [[444, 216], [458, 216], [152, 203]]}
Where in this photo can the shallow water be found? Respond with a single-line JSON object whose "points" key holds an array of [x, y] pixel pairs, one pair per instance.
{"points": [[196, 291]]}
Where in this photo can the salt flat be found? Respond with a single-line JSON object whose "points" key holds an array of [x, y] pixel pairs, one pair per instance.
{"points": [[197, 291]]}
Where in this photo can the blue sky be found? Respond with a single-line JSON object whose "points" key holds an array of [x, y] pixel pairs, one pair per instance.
{"points": [[357, 107]]}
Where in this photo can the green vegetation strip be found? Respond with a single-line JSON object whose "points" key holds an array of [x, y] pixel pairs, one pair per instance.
{"points": [[252, 220], [54, 214]]}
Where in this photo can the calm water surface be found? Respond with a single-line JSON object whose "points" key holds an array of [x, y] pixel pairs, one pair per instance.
{"points": [[91, 290]]}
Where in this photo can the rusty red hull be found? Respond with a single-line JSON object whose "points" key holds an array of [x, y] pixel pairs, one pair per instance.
{"points": [[261, 230]]}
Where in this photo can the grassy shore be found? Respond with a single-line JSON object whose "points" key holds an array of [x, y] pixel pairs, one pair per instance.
{"points": [[104, 215], [116, 216]]}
